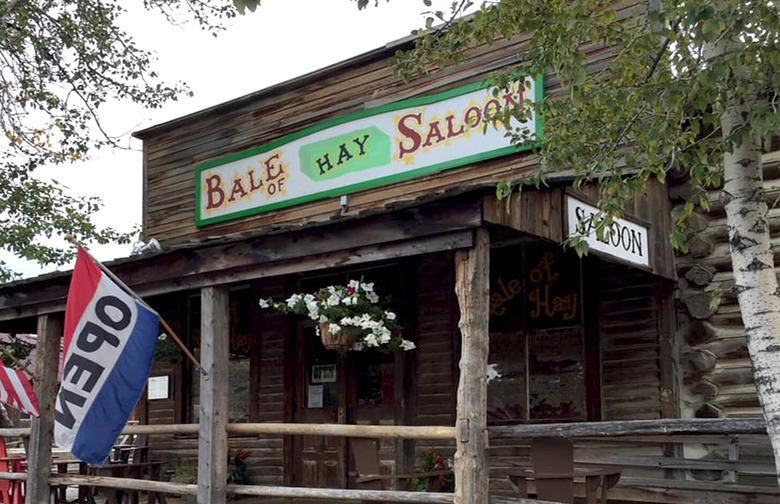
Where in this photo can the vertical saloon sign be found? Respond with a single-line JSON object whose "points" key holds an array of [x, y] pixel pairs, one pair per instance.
{"points": [[366, 149]]}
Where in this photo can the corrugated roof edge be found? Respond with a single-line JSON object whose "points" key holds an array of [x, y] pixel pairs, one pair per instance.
{"points": [[367, 57]]}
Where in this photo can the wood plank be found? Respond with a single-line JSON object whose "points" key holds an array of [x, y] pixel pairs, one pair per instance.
{"points": [[472, 275], [42, 429], [212, 446]]}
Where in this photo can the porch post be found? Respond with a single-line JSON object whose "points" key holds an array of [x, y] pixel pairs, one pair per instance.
{"points": [[472, 267], [42, 429], [212, 442]]}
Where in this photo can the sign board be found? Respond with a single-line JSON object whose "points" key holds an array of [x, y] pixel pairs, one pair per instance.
{"points": [[366, 149], [323, 373], [627, 241], [158, 387]]}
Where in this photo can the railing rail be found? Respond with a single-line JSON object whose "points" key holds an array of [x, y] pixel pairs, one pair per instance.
{"points": [[680, 432]]}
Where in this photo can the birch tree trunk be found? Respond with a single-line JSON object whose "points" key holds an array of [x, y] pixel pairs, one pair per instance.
{"points": [[753, 266]]}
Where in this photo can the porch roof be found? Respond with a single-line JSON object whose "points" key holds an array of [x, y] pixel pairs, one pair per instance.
{"points": [[438, 221]]}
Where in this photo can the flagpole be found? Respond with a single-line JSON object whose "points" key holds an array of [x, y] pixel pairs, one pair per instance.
{"points": [[168, 329]]}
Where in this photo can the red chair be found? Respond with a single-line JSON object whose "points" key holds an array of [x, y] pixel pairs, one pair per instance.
{"points": [[11, 491]]}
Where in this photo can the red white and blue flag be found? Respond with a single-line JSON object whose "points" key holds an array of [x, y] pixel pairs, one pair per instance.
{"points": [[16, 391], [108, 346]]}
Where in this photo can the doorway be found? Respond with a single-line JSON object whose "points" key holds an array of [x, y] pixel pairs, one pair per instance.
{"points": [[332, 388], [360, 388]]}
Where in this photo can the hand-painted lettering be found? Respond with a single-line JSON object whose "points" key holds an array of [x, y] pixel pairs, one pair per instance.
{"points": [[268, 180], [361, 143], [215, 196], [238, 191], [409, 133], [505, 293]]}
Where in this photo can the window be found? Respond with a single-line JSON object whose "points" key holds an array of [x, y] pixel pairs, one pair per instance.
{"points": [[537, 344]]}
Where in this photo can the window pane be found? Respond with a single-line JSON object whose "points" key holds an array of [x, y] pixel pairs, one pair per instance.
{"points": [[556, 378], [506, 378]]}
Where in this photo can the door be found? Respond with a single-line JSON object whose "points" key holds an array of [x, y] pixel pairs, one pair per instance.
{"points": [[355, 387], [320, 384]]}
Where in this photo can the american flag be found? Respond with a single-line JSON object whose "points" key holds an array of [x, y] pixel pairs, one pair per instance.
{"points": [[16, 391]]}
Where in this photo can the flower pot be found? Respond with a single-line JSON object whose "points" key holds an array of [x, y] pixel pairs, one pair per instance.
{"points": [[340, 341]]}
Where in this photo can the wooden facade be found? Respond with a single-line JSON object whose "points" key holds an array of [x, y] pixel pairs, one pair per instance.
{"points": [[560, 339]]}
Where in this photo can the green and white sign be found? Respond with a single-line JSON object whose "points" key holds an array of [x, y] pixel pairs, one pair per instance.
{"points": [[362, 150]]}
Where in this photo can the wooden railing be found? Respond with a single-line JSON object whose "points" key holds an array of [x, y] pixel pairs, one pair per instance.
{"points": [[660, 460], [744, 474]]}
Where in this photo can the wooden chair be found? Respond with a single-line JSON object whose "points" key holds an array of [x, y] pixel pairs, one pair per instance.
{"points": [[554, 474], [11, 491], [366, 454]]}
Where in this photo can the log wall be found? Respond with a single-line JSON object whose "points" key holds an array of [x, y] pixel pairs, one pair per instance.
{"points": [[717, 380]]}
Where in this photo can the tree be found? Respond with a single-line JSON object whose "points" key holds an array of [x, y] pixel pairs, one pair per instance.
{"points": [[692, 87], [61, 61]]}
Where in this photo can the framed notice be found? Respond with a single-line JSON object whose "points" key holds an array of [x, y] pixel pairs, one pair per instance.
{"points": [[158, 387], [316, 394]]}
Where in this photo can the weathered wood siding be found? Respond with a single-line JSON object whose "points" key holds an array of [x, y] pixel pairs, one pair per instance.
{"points": [[434, 363], [172, 151], [266, 464], [629, 340]]}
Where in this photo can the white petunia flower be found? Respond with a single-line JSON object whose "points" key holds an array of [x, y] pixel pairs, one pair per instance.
{"points": [[264, 303], [407, 345], [293, 300], [390, 315], [334, 328], [492, 372]]}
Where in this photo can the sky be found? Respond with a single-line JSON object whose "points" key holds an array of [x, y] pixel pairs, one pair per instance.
{"points": [[281, 40]]}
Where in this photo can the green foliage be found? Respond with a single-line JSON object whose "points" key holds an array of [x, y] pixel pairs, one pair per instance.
{"points": [[242, 5], [237, 472], [433, 461], [654, 107], [62, 61], [167, 350], [14, 351]]}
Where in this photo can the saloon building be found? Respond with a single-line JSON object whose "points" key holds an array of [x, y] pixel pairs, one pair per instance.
{"points": [[350, 173]]}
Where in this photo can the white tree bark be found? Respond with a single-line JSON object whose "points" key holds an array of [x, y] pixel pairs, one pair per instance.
{"points": [[753, 265]]}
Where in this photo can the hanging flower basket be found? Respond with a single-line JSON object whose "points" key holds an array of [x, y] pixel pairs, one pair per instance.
{"points": [[339, 341], [349, 317]]}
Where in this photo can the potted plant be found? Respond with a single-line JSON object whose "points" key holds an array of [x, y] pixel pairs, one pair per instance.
{"points": [[348, 317]]}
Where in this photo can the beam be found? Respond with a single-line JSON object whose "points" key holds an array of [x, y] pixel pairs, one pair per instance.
{"points": [[42, 429], [35, 298], [472, 267], [212, 442]]}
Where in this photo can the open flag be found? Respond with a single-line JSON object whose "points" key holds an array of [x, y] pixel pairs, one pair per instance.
{"points": [[108, 346], [16, 391]]}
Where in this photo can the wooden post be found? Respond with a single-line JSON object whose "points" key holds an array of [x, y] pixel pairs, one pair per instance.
{"points": [[42, 429], [212, 444], [472, 267]]}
